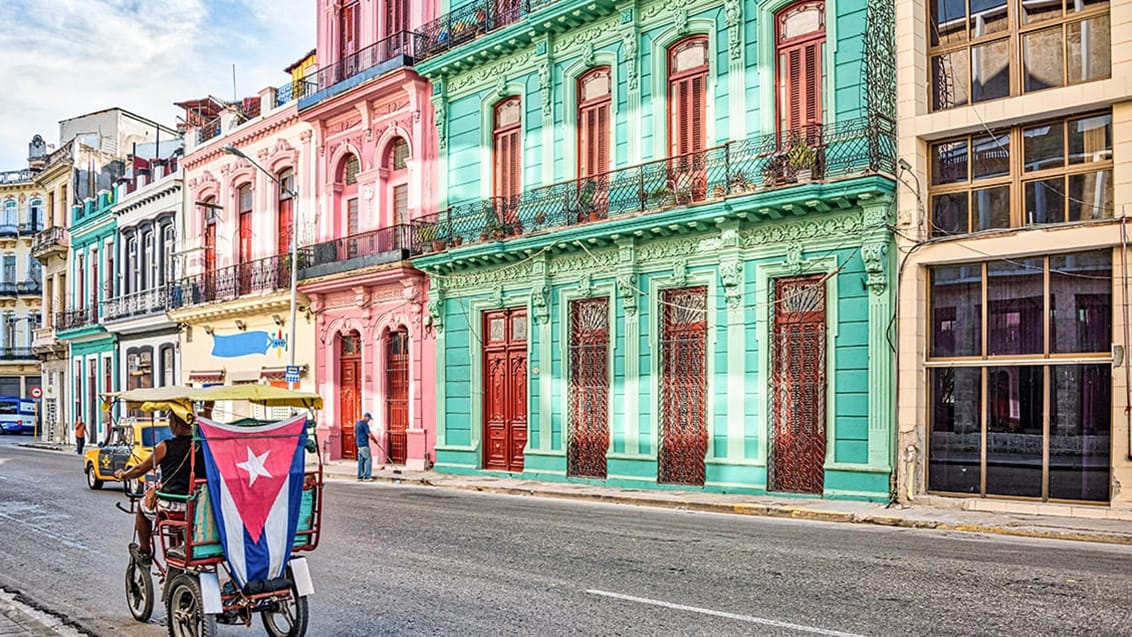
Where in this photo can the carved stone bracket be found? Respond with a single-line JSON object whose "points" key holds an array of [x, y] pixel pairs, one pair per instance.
{"points": [[497, 296], [545, 91], [794, 256], [440, 107], [873, 254], [733, 9], [436, 308], [540, 302], [586, 284], [627, 290], [680, 273], [731, 275]]}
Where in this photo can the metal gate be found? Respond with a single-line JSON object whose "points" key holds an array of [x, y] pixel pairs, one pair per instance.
{"points": [[350, 390], [589, 388], [683, 386], [505, 392], [797, 450], [397, 395]]}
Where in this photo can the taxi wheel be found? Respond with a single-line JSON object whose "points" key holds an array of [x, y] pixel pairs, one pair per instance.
{"points": [[139, 591], [184, 608], [289, 618], [92, 479]]}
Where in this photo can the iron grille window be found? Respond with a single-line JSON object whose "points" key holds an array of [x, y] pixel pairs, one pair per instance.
{"points": [[986, 49], [1005, 337], [683, 392], [589, 388], [1053, 172]]}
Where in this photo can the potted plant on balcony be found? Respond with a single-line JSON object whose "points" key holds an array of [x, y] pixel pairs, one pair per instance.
{"points": [[662, 197], [776, 170], [802, 157], [428, 235]]}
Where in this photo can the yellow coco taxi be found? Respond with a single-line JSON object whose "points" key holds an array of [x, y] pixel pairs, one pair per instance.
{"points": [[129, 445]]}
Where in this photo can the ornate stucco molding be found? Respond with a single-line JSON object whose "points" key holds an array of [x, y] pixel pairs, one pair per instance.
{"points": [[731, 275]]}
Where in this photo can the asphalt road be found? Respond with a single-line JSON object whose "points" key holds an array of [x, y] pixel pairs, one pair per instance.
{"points": [[399, 560]]}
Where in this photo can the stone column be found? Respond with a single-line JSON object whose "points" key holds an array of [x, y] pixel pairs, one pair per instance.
{"points": [[876, 254]]}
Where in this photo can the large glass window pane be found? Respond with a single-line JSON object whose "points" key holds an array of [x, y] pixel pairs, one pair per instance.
{"points": [[949, 162], [1090, 139], [1014, 430], [1090, 196], [1080, 302], [1045, 201], [1089, 49], [990, 71], [1015, 302], [950, 72], [1037, 11], [991, 207], [957, 304], [948, 21], [1043, 65], [990, 156], [955, 448], [988, 16], [1079, 428], [949, 214], [1044, 146]]}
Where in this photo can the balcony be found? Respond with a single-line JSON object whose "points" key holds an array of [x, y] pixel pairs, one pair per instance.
{"points": [[16, 176], [385, 55], [820, 155], [16, 354], [136, 304], [376, 247], [44, 340], [9, 230], [7, 288], [29, 288], [261, 276], [76, 319], [482, 17], [295, 90], [28, 229], [53, 240]]}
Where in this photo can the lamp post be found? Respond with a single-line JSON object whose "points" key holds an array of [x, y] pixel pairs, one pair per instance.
{"points": [[232, 150]]}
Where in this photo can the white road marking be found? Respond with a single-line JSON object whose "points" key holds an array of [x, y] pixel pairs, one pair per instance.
{"points": [[718, 613]]}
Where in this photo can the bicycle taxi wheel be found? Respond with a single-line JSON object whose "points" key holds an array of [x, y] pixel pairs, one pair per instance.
{"points": [[139, 591]]}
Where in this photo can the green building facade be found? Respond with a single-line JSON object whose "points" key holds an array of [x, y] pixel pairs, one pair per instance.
{"points": [[662, 257]]}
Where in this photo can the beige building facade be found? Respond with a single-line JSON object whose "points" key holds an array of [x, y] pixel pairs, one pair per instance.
{"points": [[1015, 126]]}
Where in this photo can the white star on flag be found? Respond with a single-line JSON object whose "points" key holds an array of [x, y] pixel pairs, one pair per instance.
{"points": [[254, 466]]}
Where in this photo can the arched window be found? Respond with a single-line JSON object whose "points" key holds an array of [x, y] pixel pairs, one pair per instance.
{"points": [[285, 215], [148, 263], [397, 180], [800, 43], [594, 99], [244, 229], [688, 65], [348, 178], [507, 142], [133, 266]]}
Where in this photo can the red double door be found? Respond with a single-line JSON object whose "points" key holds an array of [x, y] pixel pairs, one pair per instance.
{"points": [[505, 391]]}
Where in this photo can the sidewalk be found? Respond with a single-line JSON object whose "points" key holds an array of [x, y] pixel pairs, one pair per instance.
{"points": [[936, 515], [1082, 523], [18, 619]]}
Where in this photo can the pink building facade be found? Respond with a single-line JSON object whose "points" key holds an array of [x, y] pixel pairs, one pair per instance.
{"points": [[375, 144]]}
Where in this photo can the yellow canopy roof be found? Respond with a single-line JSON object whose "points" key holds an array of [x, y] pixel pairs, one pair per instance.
{"points": [[180, 399]]}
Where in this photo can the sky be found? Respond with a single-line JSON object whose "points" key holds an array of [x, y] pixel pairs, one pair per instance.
{"points": [[64, 58]]}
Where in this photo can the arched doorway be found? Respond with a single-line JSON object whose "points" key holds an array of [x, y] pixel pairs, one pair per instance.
{"points": [[397, 394], [349, 389]]}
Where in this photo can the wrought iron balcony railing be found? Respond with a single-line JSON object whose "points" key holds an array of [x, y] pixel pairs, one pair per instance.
{"points": [[823, 153], [16, 353], [400, 46], [28, 228], [135, 304], [208, 130], [46, 240], [294, 90], [9, 230], [7, 288], [385, 245], [261, 276], [16, 176], [29, 287], [471, 21], [76, 319]]}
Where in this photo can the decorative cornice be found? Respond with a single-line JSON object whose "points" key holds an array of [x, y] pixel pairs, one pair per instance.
{"points": [[490, 73], [241, 136]]}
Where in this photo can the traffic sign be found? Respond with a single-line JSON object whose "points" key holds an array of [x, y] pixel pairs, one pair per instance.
{"points": [[36, 392], [292, 374]]}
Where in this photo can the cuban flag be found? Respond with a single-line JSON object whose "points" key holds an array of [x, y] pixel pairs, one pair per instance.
{"points": [[255, 480]]}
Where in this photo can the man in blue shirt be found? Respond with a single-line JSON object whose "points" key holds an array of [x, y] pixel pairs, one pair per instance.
{"points": [[365, 458]]}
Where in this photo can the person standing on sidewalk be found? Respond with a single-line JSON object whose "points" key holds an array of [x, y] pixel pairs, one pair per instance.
{"points": [[80, 435], [365, 457]]}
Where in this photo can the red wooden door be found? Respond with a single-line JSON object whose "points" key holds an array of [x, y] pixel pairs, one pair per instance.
{"points": [[594, 100], [683, 389], [350, 390], [798, 446], [397, 395], [209, 261], [800, 32], [505, 392], [687, 131], [245, 252], [589, 388]]}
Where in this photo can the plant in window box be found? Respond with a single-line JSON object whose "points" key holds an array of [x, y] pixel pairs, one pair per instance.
{"points": [[662, 197], [586, 201], [776, 170], [802, 157]]}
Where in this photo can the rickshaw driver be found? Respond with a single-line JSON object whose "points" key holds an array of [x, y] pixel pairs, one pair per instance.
{"points": [[172, 456]]}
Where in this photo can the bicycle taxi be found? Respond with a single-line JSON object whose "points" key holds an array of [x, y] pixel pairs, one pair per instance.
{"points": [[233, 550]]}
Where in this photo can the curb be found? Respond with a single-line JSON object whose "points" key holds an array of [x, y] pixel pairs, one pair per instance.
{"points": [[42, 446], [785, 511]]}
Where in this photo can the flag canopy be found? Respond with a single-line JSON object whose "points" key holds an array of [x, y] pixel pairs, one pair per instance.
{"points": [[255, 485]]}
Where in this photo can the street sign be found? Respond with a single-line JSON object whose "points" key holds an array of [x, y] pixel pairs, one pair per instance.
{"points": [[36, 392], [292, 374]]}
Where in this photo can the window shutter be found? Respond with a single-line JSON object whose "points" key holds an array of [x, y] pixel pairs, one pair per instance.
{"points": [[246, 237], [696, 106], [794, 89], [286, 226], [601, 134]]}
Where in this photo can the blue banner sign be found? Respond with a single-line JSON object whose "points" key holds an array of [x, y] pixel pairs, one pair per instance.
{"points": [[247, 344]]}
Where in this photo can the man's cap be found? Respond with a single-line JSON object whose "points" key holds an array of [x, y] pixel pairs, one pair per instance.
{"points": [[366, 415]]}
